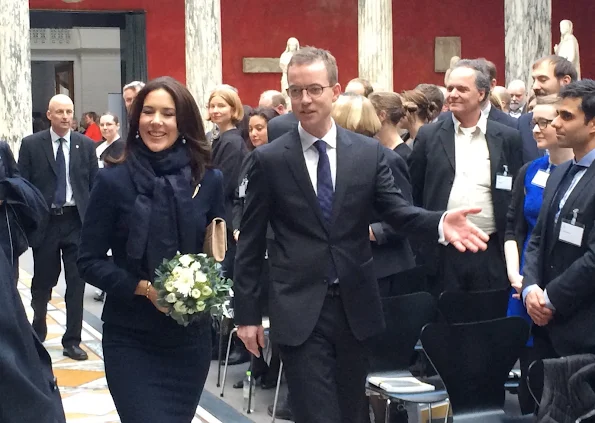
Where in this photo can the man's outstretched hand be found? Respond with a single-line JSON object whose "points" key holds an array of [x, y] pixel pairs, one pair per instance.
{"points": [[461, 233]]}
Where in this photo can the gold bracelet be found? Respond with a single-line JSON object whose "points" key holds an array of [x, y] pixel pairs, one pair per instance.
{"points": [[148, 289]]}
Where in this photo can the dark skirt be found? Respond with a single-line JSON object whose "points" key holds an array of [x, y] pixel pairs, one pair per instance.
{"points": [[156, 377]]}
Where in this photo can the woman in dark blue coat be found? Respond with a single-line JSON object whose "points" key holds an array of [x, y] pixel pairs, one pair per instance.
{"points": [[156, 201]]}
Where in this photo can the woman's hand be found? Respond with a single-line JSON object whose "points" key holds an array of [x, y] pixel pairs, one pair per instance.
{"points": [[516, 281], [151, 294]]}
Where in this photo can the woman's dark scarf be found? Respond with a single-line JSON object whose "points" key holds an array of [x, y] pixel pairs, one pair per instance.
{"points": [[162, 222]]}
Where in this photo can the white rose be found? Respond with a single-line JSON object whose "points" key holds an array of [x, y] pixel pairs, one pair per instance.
{"points": [[202, 255], [184, 286], [171, 298], [177, 271], [180, 307], [195, 293], [186, 260], [206, 291], [200, 306], [195, 266], [200, 277], [169, 286]]}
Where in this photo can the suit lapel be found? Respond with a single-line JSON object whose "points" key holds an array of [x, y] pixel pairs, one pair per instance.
{"points": [[569, 205], [495, 148], [49, 151], [345, 171], [550, 196], [294, 156], [447, 139], [75, 146]]}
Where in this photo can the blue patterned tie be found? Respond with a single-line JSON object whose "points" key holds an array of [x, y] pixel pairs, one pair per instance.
{"points": [[60, 193], [325, 192], [324, 183]]}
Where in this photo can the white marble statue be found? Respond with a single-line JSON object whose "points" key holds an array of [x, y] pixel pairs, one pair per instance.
{"points": [[568, 47], [292, 45], [453, 62]]}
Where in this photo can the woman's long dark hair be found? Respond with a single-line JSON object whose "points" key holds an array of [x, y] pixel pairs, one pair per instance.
{"points": [[266, 113], [188, 118]]}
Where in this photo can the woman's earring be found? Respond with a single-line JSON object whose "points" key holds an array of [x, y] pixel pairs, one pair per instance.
{"points": [[183, 140], [137, 136]]}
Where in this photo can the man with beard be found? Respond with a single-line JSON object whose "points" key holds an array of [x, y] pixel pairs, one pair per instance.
{"points": [[550, 73], [518, 97]]}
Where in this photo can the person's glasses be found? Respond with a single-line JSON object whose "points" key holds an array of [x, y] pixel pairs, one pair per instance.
{"points": [[542, 123], [313, 90]]}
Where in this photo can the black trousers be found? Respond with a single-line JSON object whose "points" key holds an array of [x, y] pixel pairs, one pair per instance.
{"points": [[62, 236], [326, 375], [481, 271]]}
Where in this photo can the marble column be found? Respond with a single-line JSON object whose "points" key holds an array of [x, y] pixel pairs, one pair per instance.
{"points": [[528, 36], [15, 73], [375, 42], [203, 50]]}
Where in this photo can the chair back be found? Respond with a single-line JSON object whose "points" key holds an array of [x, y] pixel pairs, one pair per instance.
{"points": [[468, 307], [474, 359], [410, 281], [405, 316], [535, 380]]}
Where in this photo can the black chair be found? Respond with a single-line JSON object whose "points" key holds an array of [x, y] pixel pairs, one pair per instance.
{"points": [[535, 378], [467, 307], [410, 281], [390, 353], [474, 360]]}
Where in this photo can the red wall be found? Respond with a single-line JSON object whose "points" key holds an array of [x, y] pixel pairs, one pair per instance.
{"points": [[480, 24], [581, 14], [257, 28], [165, 29]]}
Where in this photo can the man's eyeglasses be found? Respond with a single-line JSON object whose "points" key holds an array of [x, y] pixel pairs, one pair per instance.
{"points": [[313, 90], [542, 123]]}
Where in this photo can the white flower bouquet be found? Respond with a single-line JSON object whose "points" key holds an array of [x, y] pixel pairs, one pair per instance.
{"points": [[190, 286]]}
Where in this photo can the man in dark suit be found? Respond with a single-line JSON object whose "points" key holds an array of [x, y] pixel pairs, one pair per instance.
{"points": [[465, 160], [490, 112], [550, 73], [318, 186], [558, 287], [280, 125], [62, 164], [28, 388]]}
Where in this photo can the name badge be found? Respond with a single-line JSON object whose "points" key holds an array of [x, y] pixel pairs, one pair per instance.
{"points": [[572, 232], [504, 180], [540, 178], [242, 188]]}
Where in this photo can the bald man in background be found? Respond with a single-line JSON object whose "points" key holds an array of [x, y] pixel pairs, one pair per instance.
{"points": [[62, 164], [272, 99]]}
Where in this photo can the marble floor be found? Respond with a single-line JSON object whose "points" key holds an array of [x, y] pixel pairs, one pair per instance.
{"points": [[83, 386]]}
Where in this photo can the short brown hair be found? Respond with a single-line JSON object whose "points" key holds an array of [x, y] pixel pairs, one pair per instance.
{"points": [[390, 103], [368, 88], [233, 99], [308, 55], [116, 120], [356, 113], [562, 66], [547, 100]]}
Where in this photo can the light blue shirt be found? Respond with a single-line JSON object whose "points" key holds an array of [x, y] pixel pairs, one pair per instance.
{"points": [[585, 163], [66, 150]]}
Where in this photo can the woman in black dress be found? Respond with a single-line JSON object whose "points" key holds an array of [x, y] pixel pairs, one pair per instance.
{"points": [[229, 150], [146, 208]]}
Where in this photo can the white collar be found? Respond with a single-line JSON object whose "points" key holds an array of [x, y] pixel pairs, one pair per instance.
{"points": [[56, 137], [486, 109], [482, 123], [308, 139]]}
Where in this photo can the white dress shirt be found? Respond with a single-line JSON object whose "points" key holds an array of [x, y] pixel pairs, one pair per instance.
{"points": [[66, 150], [485, 111], [472, 186], [311, 153]]}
